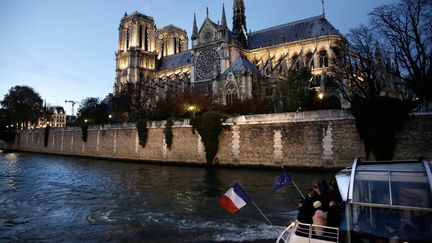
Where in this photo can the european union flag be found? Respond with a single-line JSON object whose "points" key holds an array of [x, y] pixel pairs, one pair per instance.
{"points": [[283, 180]]}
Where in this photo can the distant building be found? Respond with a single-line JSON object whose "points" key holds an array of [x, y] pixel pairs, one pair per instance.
{"points": [[231, 64], [57, 118]]}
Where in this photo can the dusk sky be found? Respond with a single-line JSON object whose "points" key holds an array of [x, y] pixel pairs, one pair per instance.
{"points": [[64, 49]]}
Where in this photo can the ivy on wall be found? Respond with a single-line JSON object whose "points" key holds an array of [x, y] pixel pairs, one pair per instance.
{"points": [[209, 126], [169, 135], [84, 132], [142, 131], [46, 135]]}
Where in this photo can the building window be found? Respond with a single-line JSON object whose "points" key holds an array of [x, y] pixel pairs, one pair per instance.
{"points": [[180, 45], [323, 58], [162, 48], [127, 38], [317, 81], [146, 39], [231, 94], [310, 61], [140, 36], [175, 45], [295, 62]]}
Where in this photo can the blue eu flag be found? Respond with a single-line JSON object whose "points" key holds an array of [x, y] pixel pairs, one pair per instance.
{"points": [[283, 180]]}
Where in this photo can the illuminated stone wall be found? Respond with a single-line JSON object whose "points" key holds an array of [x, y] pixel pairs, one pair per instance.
{"points": [[304, 139]]}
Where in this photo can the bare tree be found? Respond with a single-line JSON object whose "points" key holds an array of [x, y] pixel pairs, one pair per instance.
{"points": [[361, 65], [406, 29]]}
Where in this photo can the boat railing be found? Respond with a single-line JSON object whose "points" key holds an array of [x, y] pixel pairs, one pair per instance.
{"points": [[284, 236], [311, 231]]}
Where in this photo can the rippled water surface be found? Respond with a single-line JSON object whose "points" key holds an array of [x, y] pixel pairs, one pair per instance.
{"points": [[54, 198]]}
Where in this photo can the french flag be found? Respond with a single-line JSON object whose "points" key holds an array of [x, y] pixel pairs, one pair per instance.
{"points": [[234, 199]]}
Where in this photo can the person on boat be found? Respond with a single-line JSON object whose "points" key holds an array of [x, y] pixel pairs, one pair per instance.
{"points": [[308, 208], [319, 219], [320, 194], [333, 214], [393, 232], [333, 191], [301, 216]]}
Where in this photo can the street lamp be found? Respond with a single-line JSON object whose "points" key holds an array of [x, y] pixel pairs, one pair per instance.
{"points": [[192, 109], [321, 96]]}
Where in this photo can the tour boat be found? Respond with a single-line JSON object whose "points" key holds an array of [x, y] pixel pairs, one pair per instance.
{"points": [[388, 201]]}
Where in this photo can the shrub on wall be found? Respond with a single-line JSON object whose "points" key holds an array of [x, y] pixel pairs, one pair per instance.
{"points": [[378, 120], [84, 132], [142, 131], [168, 132], [46, 135], [209, 126]]}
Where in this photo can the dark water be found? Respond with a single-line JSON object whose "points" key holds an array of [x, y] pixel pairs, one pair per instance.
{"points": [[53, 198]]}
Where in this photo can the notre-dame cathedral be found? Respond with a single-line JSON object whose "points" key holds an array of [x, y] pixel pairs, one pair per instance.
{"points": [[229, 64]]}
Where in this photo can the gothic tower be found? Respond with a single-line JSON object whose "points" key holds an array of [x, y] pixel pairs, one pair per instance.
{"points": [[136, 54], [239, 21]]}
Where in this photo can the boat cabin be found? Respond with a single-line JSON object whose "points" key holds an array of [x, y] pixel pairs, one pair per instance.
{"points": [[386, 201]]}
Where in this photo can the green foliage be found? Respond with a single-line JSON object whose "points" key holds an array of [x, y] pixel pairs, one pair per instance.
{"points": [[23, 105], [93, 111], [8, 137], [137, 115], [84, 132], [176, 105], [168, 133], [378, 119], [46, 135], [246, 107], [295, 92], [142, 131], [134, 97], [209, 126]]}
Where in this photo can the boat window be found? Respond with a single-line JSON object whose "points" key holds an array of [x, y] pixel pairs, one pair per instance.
{"points": [[410, 189], [398, 188], [372, 224], [371, 187]]}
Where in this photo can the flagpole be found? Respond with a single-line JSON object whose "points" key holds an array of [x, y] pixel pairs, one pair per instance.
{"points": [[261, 213], [294, 183], [298, 189]]}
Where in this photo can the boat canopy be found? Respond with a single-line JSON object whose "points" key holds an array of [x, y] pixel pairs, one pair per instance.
{"points": [[400, 184]]}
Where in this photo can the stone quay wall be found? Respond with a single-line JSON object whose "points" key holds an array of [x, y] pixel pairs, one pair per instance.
{"points": [[326, 138]]}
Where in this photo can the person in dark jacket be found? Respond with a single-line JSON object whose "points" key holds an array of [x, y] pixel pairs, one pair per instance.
{"points": [[308, 207], [333, 214]]}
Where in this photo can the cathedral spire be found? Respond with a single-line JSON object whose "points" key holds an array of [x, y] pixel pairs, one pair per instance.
{"points": [[194, 29], [224, 22], [239, 17]]}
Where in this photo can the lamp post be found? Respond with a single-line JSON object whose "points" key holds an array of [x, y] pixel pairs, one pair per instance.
{"points": [[192, 109], [321, 96]]}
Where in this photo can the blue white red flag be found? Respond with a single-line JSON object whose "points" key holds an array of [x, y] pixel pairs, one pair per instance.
{"points": [[283, 180], [234, 199]]}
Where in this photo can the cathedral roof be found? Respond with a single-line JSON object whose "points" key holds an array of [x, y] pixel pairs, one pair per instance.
{"points": [[298, 30], [175, 61], [242, 65]]}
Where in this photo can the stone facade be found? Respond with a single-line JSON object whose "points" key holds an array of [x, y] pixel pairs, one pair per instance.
{"points": [[230, 64], [326, 138]]}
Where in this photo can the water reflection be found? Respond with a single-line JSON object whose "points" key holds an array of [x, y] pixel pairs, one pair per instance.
{"points": [[54, 198]]}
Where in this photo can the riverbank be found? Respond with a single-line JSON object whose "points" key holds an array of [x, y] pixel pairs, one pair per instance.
{"points": [[319, 139]]}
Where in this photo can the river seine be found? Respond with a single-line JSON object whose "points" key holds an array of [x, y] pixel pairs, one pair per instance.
{"points": [[47, 198]]}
